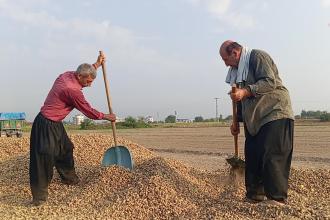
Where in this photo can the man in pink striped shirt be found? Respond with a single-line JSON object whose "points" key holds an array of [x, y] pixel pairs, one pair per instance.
{"points": [[49, 143]]}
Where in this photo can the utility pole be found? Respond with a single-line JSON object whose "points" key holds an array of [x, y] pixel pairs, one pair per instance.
{"points": [[216, 109]]}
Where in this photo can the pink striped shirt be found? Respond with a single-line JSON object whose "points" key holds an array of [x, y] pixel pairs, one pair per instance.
{"points": [[66, 95]]}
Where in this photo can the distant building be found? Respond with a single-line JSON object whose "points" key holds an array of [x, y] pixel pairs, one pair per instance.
{"points": [[77, 119], [184, 120], [149, 119], [120, 119]]}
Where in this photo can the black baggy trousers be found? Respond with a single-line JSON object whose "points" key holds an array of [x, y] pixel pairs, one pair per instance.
{"points": [[268, 159], [49, 146]]}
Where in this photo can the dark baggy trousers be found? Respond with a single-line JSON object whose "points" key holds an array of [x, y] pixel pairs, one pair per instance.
{"points": [[49, 146], [268, 159]]}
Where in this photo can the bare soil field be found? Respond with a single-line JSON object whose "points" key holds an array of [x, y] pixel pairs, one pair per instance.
{"points": [[207, 148]]}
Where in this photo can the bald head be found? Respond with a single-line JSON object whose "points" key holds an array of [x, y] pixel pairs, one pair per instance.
{"points": [[230, 53], [224, 46]]}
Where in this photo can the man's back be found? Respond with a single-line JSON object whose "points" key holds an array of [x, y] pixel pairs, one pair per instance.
{"points": [[58, 103]]}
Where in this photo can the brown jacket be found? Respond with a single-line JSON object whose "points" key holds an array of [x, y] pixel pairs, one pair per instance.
{"points": [[271, 100]]}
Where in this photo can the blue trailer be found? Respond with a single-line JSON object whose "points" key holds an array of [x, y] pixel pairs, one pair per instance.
{"points": [[11, 123]]}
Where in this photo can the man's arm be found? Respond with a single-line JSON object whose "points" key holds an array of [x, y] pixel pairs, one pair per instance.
{"points": [[80, 103], [264, 74], [99, 61]]}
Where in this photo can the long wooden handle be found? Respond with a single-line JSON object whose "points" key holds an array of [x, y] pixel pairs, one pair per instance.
{"points": [[236, 145], [107, 90], [235, 125]]}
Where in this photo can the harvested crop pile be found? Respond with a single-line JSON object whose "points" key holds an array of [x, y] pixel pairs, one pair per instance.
{"points": [[158, 188]]}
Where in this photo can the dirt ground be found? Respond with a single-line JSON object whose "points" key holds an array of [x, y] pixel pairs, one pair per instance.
{"points": [[165, 183], [207, 148]]}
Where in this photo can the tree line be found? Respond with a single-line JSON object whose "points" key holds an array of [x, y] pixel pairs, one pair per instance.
{"points": [[321, 115], [131, 122], [172, 119]]}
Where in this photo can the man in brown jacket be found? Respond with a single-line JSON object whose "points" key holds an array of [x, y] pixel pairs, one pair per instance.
{"points": [[268, 121]]}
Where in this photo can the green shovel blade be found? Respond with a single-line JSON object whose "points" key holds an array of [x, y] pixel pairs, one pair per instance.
{"points": [[118, 155]]}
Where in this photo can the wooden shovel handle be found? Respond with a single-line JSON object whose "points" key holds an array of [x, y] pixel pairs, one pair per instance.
{"points": [[236, 145], [235, 123], [107, 90]]}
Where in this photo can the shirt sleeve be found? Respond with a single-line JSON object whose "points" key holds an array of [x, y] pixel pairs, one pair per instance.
{"points": [[79, 102], [264, 75]]}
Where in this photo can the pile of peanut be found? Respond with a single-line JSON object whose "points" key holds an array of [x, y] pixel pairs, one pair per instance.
{"points": [[157, 188]]}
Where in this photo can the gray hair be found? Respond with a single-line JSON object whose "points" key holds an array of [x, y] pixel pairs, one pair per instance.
{"points": [[86, 69]]}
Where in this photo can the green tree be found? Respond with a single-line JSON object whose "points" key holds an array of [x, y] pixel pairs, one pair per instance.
{"points": [[229, 117], [140, 119], [325, 117], [199, 119], [130, 122], [210, 120], [170, 119], [312, 114], [87, 124]]}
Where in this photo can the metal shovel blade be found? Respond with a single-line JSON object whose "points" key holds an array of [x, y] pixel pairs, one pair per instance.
{"points": [[118, 155], [236, 162]]}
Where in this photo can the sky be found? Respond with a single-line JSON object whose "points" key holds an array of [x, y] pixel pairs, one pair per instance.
{"points": [[162, 55]]}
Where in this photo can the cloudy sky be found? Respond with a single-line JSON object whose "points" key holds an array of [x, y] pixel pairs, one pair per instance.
{"points": [[162, 56]]}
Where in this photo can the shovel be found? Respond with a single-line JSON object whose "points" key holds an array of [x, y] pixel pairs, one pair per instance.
{"points": [[116, 155], [235, 161]]}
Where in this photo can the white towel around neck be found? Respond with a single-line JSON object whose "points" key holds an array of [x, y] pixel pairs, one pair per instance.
{"points": [[239, 75]]}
